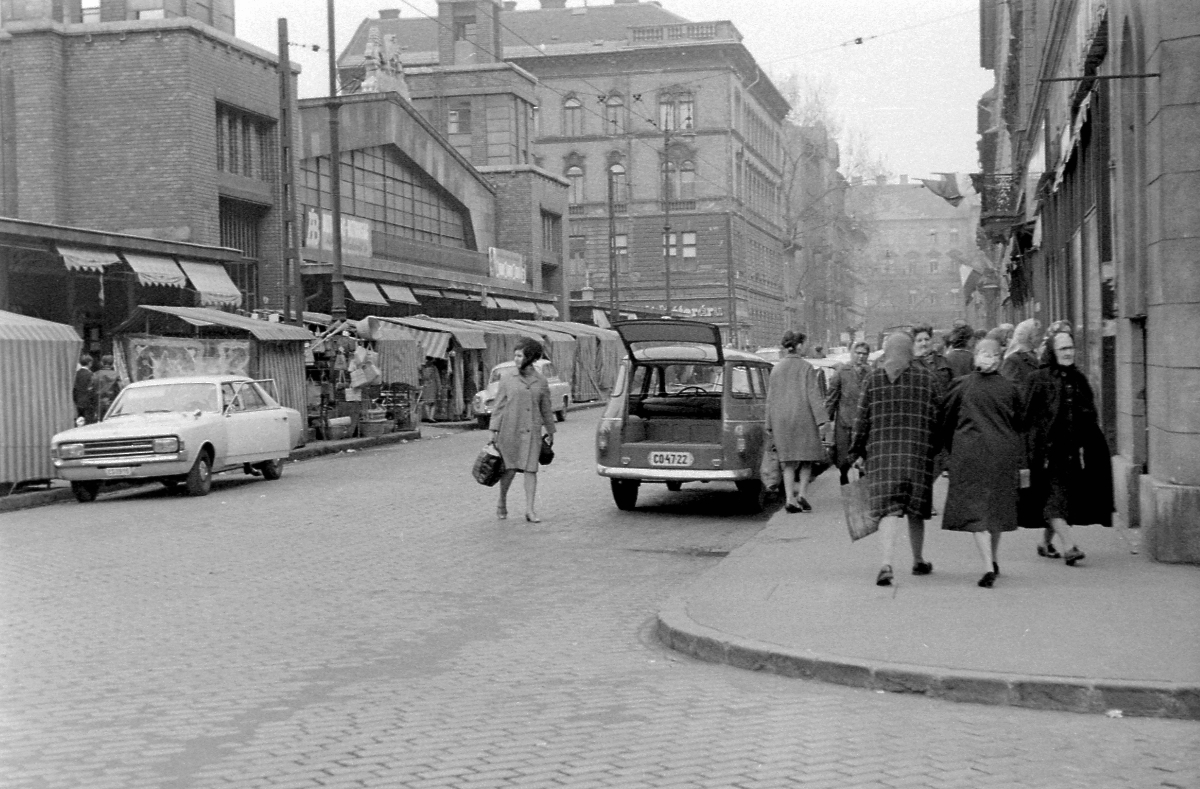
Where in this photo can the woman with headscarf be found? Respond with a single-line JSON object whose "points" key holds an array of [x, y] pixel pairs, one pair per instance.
{"points": [[895, 433], [795, 415], [521, 416], [1020, 359], [982, 428], [1070, 463]]}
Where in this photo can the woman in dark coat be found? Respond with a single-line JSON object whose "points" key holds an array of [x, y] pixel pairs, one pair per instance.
{"points": [[521, 416], [895, 433], [1020, 363], [795, 414], [981, 426], [1070, 464]]}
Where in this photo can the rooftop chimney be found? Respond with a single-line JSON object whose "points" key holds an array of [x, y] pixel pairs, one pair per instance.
{"points": [[903, 179], [389, 13], [881, 180]]}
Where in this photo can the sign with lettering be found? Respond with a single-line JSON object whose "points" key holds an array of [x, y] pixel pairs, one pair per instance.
{"points": [[504, 264], [356, 233]]}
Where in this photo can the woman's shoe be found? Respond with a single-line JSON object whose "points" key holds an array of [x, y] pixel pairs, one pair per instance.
{"points": [[804, 505], [789, 507], [885, 576], [501, 513], [1048, 551], [532, 518], [922, 568], [987, 580], [1073, 556]]}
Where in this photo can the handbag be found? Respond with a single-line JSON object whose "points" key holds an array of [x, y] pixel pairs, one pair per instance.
{"points": [[546, 453], [489, 466], [857, 507]]}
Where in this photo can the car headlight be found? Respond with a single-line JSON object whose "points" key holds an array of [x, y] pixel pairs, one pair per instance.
{"points": [[70, 451], [167, 446]]}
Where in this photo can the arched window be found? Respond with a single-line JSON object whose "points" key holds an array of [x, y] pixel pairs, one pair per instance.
{"points": [[620, 185], [614, 115], [687, 181], [572, 117], [575, 176]]}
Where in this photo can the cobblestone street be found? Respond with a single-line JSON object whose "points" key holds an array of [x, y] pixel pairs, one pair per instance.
{"points": [[366, 621]]}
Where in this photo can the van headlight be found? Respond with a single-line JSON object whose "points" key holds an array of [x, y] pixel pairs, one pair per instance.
{"points": [[167, 446], [70, 451]]}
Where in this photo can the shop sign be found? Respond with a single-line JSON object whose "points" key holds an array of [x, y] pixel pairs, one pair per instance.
{"points": [[504, 264], [694, 311], [356, 233]]}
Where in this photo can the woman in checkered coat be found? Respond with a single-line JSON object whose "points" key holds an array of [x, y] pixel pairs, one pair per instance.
{"points": [[895, 434]]}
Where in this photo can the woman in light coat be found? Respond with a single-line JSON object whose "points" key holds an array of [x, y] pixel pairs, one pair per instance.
{"points": [[521, 416], [795, 415]]}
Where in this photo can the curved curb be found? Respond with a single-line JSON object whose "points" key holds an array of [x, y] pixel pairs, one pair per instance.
{"points": [[1131, 697]]}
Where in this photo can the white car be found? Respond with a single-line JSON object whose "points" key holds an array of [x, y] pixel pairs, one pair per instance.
{"points": [[485, 400], [179, 431]]}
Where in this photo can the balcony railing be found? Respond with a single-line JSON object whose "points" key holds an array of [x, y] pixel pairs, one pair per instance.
{"points": [[670, 34]]}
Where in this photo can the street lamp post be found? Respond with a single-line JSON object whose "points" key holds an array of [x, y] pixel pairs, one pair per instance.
{"points": [[614, 299], [667, 245]]}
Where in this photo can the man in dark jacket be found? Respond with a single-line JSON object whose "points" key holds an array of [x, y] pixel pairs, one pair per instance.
{"points": [[841, 403], [105, 386], [959, 357], [81, 393]]}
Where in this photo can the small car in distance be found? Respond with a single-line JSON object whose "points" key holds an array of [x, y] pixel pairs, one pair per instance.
{"points": [[179, 431], [485, 399], [683, 409]]}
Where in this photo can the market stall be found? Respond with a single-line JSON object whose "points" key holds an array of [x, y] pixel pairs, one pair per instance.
{"points": [[598, 355], [166, 342], [453, 352], [37, 370]]}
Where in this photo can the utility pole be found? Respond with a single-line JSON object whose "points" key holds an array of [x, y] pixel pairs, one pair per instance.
{"points": [[614, 299], [667, 245], [293, 300], [338, 283]]}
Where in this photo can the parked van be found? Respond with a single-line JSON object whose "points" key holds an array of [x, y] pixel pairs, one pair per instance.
{"points": [[683, 409]]}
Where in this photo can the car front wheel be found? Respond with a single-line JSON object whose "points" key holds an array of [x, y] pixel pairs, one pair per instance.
{"points": [[199, 479], [271, 469], [85, 491], [625, 493]]}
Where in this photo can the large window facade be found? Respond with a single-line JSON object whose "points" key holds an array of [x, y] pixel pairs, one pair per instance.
{"points": [[381, 185], [244, 143]]}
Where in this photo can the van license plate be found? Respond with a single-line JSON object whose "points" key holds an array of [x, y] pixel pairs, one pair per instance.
{"points": [[123, 471], [671, 459]]}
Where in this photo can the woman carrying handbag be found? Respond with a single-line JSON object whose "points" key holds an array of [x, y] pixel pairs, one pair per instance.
{"points": [[520, 419]]}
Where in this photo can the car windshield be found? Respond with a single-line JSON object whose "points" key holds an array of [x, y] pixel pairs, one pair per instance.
{"points": [[498, 371], [166, 398]]}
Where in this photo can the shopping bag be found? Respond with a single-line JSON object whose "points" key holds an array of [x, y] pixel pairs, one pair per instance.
{"points": [[769, 471], [857, 506], [489, 466], [546, 453]]}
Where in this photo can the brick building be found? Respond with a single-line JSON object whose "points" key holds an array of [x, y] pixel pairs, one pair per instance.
{"points": [[676, 115], [915, 244], [1089, 143], [147, 140]]}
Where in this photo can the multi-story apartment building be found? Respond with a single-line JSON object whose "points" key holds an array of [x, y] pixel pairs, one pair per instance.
{"points": [[674, 116], [910, 263], [1091, 187]]}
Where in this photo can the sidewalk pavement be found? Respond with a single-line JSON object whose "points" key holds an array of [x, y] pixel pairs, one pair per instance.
{"points": [[1118, 632]]}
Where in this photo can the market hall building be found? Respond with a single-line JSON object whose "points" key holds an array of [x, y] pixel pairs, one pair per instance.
{"points": [[141, 162]]}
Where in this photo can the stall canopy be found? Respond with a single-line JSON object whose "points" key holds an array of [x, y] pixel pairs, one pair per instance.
{"points": [[156, 270], [162, 342], [37, 372], [365, 292], [597, 357], [212, 282], [400, 353], [466, 337], [546, 310]]}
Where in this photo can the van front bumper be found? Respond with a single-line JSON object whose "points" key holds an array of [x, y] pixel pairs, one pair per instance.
{"points": [[675, 474]]}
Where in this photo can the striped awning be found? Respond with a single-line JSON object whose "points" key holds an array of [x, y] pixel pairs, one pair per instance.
{"points": [[527, 307], [546, 310], [433, 343], [365, 292], [432, 293], [87, 259], [401, 294], [212, 282], [457, 295], [156, 270], [507, 304]]}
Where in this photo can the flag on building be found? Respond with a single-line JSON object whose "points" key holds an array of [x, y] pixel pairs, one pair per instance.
{"points": [[970, 281], [945, 188]]}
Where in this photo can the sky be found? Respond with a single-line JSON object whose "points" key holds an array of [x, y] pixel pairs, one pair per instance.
{"points": [[909, 89]]}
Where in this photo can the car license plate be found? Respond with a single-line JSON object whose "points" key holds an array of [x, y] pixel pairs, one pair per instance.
{"points": [[123, 471], [671, 459]]}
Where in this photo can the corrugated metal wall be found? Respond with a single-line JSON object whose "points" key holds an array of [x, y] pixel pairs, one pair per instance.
{"points": [[36, 378], [283, 362]]}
